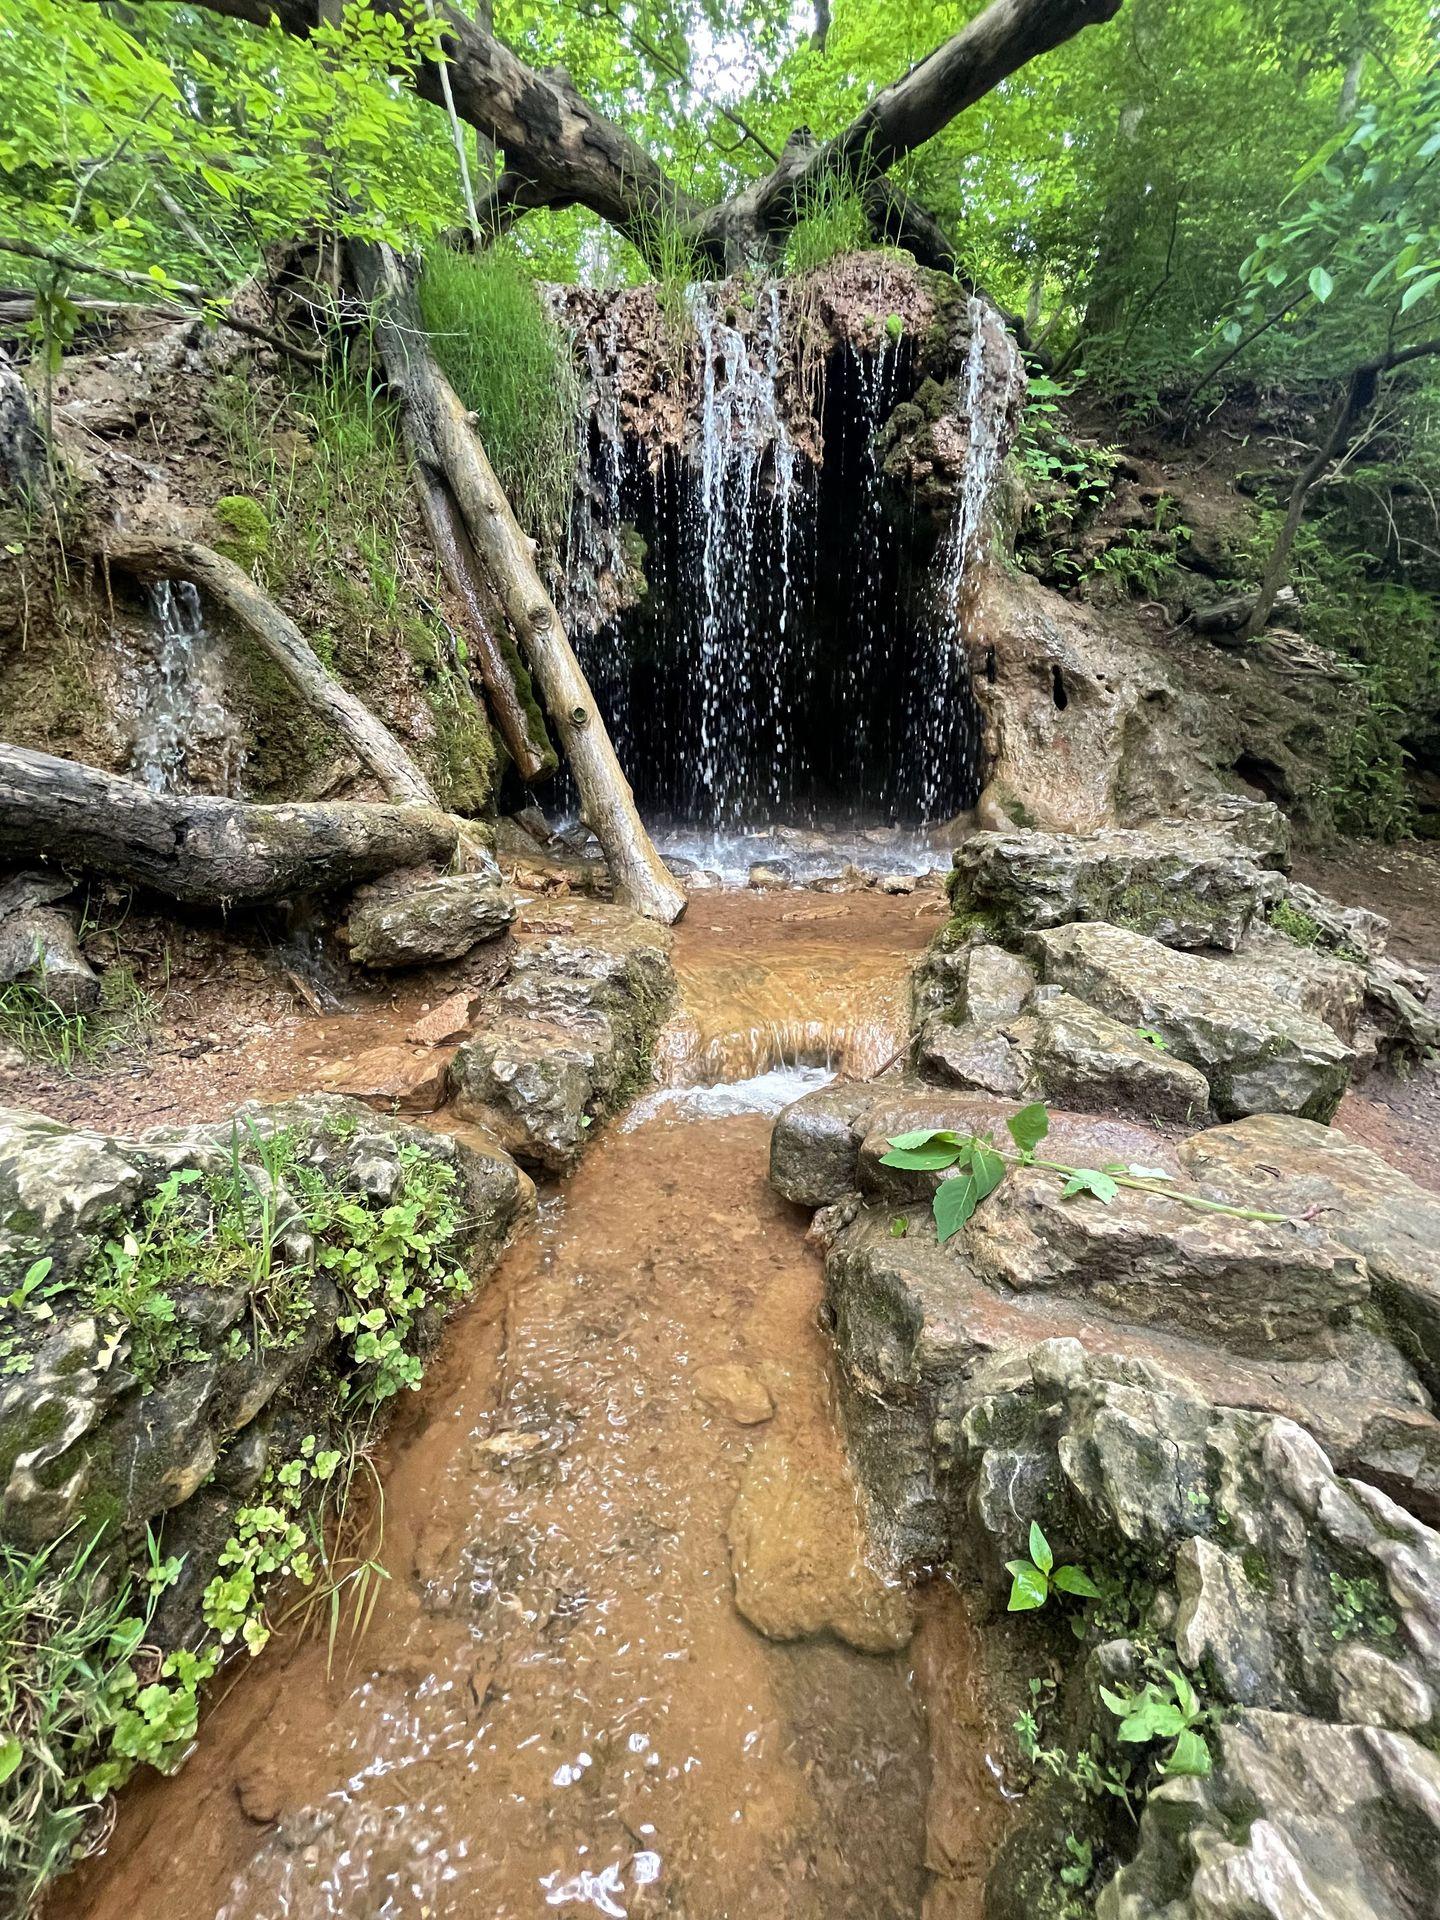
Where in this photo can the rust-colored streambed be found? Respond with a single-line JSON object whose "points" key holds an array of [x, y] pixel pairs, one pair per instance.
{"points": [[558, 1707]]}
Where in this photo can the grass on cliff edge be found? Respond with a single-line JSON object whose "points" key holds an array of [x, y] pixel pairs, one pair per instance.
{"points": [[511, 365]]}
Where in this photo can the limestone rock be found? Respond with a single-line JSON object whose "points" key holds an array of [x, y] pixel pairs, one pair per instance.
{"points": [[969, 980], [771, 876], [815, 1143], [975, 1059], [1298, 1820], [1148, 1259], [90, 1437], [1294, 1166], [570, 1032], [450, 1020], [1184, 886], [735, 1391], [1258, 1050], [1083, 1059], [405, 921], [391, 1076]]}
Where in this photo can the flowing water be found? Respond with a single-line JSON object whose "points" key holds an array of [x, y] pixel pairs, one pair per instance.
{"points": [[186, 738], [558, 1707]]}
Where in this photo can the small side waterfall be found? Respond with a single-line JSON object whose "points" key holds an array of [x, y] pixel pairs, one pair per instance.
{"points": [[187, 739], [946, 732]]}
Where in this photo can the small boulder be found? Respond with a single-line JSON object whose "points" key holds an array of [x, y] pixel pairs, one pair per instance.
{"points": [[770, 876], [410, 921]]}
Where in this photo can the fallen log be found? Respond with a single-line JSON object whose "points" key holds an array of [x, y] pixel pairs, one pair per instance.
{"points": [[638, 875], [201, 848], [173, 557]]}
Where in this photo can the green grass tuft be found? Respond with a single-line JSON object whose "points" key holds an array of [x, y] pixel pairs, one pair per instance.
{"points": [[511, 366], [832, 221]]}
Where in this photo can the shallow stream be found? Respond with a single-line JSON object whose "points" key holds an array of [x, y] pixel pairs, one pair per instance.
{"points": [[557, 1706]]}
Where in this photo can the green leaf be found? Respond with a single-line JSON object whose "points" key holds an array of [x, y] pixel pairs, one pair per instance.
{"points": [[1321, 285], [11, 1754], [931, 1159], [1090, 1180], [1076, 1580], [1417, 290], [1029, 1126], [957, 1198], [1190, 1756], [924, 1135], [1030, 1588], [1040, 1548]]}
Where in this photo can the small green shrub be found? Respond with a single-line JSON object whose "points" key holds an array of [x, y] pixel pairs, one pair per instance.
{"points": [[1358, 1609], [1295, 925]]}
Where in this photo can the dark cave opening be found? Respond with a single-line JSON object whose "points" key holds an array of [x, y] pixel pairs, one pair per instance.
{"points": [[788, 660]]}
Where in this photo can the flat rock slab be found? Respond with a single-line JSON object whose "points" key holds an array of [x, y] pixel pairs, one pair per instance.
{"points": [[1259, 1051], [1185, 886], [410, 921], [798, 1555], [392, 1077], [1298, 1167], [1059, 1049]]}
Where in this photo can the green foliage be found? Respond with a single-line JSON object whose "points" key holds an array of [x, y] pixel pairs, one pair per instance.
{"points": [[512, 367], [1295, 925], [45, 1032], [1358, 1609], [82, 1698], [1034, 1580], [322, 464], [178, 146], [1166, 1709]]}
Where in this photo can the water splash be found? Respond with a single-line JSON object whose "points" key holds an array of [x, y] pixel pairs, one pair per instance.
{"points": [[187, 739]]}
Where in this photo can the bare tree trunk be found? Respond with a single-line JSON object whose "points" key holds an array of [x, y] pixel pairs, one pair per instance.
{"points": [[171, 556], [200, 847], [519, 726], [637, 872]]}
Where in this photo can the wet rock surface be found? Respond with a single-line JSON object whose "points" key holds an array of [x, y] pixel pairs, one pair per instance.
{"points": [[1225, 1416], [569, 1031]]}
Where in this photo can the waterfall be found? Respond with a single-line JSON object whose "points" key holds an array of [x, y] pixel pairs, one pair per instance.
{"points": [[788, 659], [186, 739]]}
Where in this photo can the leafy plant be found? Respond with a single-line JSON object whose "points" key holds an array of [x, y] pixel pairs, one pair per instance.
{"points": [[1358, 1609], [1168, 1709], [981, 1165], [1034, 1579]]}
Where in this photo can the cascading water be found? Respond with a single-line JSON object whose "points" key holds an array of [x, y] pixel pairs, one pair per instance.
{"points": [[186, 738], [946, 732], [791, 657]]}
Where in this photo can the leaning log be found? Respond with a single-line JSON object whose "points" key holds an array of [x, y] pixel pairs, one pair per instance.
{"points": [[173, 557], [607, 805], [200, 848]]}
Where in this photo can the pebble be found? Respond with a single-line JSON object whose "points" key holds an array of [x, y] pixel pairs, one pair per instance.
{"points": [[735, 1391]]}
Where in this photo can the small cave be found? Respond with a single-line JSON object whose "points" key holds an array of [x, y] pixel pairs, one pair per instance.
{"points": [[788, 657]]}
